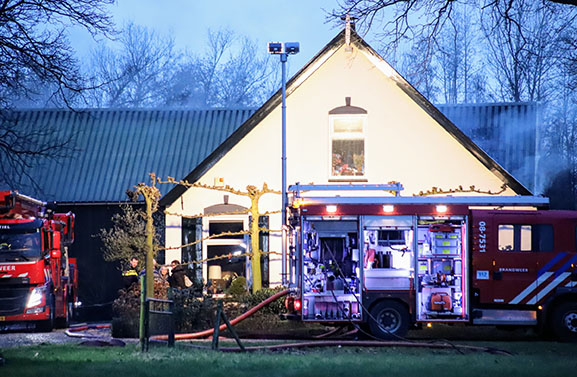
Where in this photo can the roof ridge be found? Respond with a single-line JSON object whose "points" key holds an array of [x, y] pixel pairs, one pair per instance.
{"points": [[128, 109]]}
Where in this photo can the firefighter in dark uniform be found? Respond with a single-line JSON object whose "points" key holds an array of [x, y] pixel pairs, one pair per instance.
{"points": [[130, 276]]}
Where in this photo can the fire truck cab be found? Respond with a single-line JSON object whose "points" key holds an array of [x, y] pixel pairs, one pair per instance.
{"points": [[38, 281], [394, 262]]}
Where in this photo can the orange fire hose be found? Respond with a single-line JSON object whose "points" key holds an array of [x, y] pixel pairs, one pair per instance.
{"points": [[205, 333]]}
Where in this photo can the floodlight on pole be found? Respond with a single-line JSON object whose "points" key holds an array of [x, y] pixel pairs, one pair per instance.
{"points": [[283, 50]]}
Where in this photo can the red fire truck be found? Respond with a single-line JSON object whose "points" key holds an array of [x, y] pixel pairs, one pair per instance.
{"points": [[38, 281], [394, 262]]}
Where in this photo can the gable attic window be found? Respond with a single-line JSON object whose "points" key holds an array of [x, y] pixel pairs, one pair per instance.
{"points": [[347, 127]]}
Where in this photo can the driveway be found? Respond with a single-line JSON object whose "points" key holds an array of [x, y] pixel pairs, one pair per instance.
{"points": [[21, 338]]}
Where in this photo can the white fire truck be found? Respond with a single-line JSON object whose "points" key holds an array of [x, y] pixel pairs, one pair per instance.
{"points": [[394, 262]]}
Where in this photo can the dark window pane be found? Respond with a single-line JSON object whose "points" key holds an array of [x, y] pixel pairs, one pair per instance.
{"points": [[543, 237], [391, 237], [233, 265], [263, 240], [192, 232], [215, 228]]}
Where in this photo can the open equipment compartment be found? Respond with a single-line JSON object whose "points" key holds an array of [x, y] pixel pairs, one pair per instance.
{"points": [[330, 265], [442, 262], [388, 252]]}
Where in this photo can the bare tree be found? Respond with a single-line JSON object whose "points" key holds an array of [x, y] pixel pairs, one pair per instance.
{"points": [[559, 157], [245, 76], [396, 20], [524, 56], [145, 70], [135, 73], [24, 145], [35, 57], [421, 73], [455, 55], [232, 72], [569, 52], [411, 17], [33, 43], [446, 68], [195, 81]]}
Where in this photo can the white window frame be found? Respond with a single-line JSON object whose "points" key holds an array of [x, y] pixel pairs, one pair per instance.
{"points": [[363, 136], [222, 241]]}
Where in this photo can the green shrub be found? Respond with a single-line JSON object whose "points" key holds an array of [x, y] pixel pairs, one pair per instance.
{"points": [[238, 287], [276, 307], [126, 313], [192, 312]]}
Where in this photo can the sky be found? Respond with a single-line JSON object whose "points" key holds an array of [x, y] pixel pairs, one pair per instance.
{"points": [[302, 21]]}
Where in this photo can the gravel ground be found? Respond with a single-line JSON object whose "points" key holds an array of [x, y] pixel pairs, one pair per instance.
{"points": [[16, 339], [22, 338]]}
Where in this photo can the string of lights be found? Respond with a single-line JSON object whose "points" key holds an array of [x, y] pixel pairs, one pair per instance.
{"points": [[213, 236], [226, 188], [254, 194], [219, 235], [200, 215], [231, 213], [460, 189], [230, 255]]}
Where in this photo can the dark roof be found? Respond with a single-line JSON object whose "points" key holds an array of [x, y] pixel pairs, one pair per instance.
{"points": [[506, 131], [116, 149], [276, 99]]}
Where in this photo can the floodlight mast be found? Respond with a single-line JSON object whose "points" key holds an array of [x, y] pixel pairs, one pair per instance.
{"points": [[288, 48]]}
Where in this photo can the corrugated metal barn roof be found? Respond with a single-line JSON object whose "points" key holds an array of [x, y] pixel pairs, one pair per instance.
{"points": [[116, 149], [506, 131]]}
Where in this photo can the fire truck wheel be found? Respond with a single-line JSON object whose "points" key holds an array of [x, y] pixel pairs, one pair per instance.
{"points": [[565, 321], [389, 319]]}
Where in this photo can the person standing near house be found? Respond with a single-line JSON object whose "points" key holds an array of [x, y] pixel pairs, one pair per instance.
{"points": [[177, 277], [163, 275], [130, 276]]}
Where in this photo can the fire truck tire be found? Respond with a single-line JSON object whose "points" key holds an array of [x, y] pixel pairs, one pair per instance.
{"points": [[564, 321], [47, 325], [389, 319]]}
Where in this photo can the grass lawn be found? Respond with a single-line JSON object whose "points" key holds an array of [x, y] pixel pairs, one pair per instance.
{"points": [[530, 358]]}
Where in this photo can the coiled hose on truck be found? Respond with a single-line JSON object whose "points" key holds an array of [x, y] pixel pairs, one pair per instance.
{"points": [[206, 333]]}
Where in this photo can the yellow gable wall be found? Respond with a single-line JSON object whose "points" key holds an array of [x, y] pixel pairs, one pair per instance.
{"points": [[402, 144]]}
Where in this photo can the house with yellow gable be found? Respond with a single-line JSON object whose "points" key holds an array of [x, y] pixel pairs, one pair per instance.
{"points": [[351, 119]]}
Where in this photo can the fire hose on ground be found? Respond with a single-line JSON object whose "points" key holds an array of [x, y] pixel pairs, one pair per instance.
{"points": [[75, 331], [206, 333], [324, 343], [285, 346]]}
